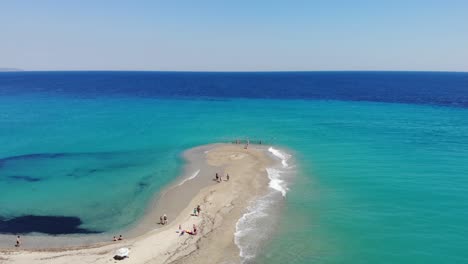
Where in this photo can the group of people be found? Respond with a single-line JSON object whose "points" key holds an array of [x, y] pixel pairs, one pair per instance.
{"points": [[117, 239], [246, 144], [18, 241], [238, 141], [196, 210], [163, 219], [219, 178]]}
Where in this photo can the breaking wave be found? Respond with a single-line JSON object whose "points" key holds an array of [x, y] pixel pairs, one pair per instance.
{"points": [[255, 227], [195, 174]]}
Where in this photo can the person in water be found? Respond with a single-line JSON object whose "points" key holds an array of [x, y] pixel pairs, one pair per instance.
{"points": [[18, 241], [120, 237], [114, 239]]}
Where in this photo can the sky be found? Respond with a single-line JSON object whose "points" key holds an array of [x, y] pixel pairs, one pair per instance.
{"points": [[217, 35]]}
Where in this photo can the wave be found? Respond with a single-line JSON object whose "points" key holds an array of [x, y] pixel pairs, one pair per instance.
{"points": [[282, 155], [274, 174], [195, 174], [276, 182], [254, 228]]}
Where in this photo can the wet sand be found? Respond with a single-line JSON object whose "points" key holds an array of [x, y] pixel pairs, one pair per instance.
{"points": [[222, 205]]}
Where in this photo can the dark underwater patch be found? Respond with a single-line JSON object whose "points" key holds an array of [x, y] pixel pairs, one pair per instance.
{"points": [[75, 173], [83, 172], [91, 171], [24, 178], [36, 156], [142, 185], [33, 156], [51, 225]]}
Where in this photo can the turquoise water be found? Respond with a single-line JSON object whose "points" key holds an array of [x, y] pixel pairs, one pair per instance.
{"points": [[376, 182]]}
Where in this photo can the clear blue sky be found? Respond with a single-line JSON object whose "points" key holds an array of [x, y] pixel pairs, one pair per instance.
{"points": [[240, 35]]}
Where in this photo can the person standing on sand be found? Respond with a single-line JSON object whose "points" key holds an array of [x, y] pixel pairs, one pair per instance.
{"points": [[198, 209], [220, 178], [161, 221], [165, 219], [18, 241], [217, 177], [227, 177], [194, 229], [195, 211]]}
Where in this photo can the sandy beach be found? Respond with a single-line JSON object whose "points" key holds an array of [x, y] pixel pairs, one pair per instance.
{"points": [[222, 204]]}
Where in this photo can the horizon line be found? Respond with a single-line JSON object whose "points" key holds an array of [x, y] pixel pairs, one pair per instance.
{"points": [[17, 70]]}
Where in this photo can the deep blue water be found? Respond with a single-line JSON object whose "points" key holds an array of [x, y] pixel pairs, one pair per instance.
{"points": [[437, 88]]}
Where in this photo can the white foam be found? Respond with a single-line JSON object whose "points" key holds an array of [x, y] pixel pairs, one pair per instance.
{"points": [[281, 155], [251, 230], [275, 175], [276, 182], [255, 226], [195, 174]]}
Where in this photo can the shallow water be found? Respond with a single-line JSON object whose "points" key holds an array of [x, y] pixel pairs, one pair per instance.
{"points": [[376, 182]]}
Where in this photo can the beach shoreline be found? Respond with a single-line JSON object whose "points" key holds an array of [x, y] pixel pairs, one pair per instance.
{"points": [[223, 204], [158, 205]]}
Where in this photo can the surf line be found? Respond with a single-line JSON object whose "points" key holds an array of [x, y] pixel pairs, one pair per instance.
{"points": [[259, 211], [195, 174]]}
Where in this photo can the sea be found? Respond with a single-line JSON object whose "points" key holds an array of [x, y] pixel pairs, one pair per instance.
{"points": [[374, 165]]}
